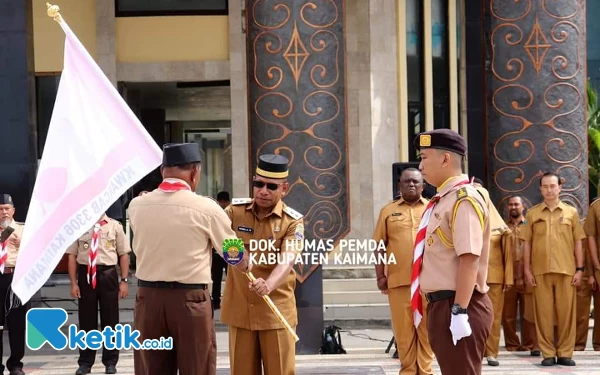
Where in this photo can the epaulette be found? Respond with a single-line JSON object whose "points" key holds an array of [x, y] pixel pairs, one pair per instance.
{"points": [[596, 200], [237, 201], [462, 193], [535, 206], [293, 213]]}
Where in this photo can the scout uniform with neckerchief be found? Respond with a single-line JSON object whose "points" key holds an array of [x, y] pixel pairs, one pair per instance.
{"points": [[112, 245], [459, 224], [255, 332]]}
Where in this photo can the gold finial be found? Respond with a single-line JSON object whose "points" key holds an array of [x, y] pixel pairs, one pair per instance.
{"points": [[54, 12]]}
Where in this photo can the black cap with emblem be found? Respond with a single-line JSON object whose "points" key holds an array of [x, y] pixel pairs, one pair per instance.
{"points": [[6, 199], [175, 154], [442, 139], [272, 166]]}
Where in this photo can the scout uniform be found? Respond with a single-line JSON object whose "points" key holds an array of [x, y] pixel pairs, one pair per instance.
{"points": [[584, 300], [255, 332], [500, 274], [522, 298], [14, 320], [99, 286], [397, 226], [175, 232], [592, 229], [552, 235], [459, 224]]}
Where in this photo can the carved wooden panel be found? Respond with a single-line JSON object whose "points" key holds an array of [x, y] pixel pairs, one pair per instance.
{"points": [[536, 99], [297, 106]]}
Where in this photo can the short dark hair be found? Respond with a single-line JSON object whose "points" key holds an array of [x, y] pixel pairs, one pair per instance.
{"points": [[550, 174], [515, 197], [223, 196]]}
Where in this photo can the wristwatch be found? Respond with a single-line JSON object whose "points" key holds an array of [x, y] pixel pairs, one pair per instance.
{"points": [[580, 269], [456, 309], [125, 280]]}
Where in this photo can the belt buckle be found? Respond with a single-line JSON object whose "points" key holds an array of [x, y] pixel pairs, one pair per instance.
{"points": [[428, 297]]}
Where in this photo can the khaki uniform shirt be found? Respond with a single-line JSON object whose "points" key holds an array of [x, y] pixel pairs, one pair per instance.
{"points": [[552, 235], [459, 224], [174, 234], [111, 246], [592, 224], [514, 244], [397, 226], [242, 307], [11, 250]]}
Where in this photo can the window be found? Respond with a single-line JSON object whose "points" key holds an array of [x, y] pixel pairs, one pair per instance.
{"points": [[147, 8], [46, 87], [414, 67]]}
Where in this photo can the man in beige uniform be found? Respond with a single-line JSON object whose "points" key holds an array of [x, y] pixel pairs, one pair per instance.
{"points": [[592, 230], [14, 319], [105, 290], [175, 232], [500, 274], [585, 292], [397, 226], [553, 266], [255, 333], [455, 257]]}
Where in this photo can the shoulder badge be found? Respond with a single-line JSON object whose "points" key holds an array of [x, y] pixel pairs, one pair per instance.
{"points": [[237, 201], [293, 213], [462, 193]]}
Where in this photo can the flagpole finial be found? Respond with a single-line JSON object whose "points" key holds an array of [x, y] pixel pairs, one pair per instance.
{"points": [[54, 12]]}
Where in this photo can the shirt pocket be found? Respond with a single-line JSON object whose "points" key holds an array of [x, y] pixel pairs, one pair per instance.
{"points": [[399, 221], [85, 242], [539, 228], [109, 239], [565, 226], [436, 236]]}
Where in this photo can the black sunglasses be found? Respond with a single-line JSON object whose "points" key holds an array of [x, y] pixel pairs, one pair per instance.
{"points": [[270, 185]]}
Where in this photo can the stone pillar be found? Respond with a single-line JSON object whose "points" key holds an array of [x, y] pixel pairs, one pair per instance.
{"points": [[536, 99], [106, 39], [297, 108], [18, 121]]}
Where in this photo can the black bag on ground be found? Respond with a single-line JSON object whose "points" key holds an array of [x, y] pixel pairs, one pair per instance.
{"points": [[332, 341]]}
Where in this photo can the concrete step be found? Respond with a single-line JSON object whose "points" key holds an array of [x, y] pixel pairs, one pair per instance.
{"points": [[350, 285], [354, 297], [372, 311], [341, 272]]}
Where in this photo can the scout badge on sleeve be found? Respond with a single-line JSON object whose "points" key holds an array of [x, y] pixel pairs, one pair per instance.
{"points": [[233, 251]]}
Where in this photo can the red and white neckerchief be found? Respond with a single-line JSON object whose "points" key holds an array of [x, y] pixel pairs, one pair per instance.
{"points": [[172, 185], [416, 300], [93, 253], [3, 255]]}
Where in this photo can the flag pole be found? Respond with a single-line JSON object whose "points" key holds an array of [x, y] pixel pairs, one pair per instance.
{"points": [[54, 12]]}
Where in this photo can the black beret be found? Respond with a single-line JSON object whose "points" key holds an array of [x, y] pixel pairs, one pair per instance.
{"points": [[272, 166], [443, 139], [6, 199], [180, 154]]}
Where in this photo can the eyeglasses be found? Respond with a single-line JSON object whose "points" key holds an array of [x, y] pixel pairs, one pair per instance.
{"points": [[270, 185]]}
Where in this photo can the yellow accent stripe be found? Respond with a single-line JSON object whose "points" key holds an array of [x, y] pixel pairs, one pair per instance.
{"points": [[475, 206], [268, 174], [443, 237]]}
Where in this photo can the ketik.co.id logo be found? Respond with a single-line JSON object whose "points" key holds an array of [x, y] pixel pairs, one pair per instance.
{"points": [[44, 326]]}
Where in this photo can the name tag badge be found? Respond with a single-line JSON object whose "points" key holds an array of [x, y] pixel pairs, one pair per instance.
{"points": [[245, 229], [397, 214], [561, 220]]}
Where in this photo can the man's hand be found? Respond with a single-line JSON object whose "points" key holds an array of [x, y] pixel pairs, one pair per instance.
{"points": [[577, 279], [260, 287], [14, 240], [459, 327], [592, 283], [529, 279], [75, 293], [123, 290], [507, 287], [520, 284], [382, 284]]}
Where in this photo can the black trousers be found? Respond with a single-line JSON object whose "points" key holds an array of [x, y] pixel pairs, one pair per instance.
{"points": [[107, 295], [14, 321], [216, 274]]}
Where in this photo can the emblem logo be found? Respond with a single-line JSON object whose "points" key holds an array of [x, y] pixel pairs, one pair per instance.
{"points": [[233, 250], [86, 245], [425, 140], [430, 241]]}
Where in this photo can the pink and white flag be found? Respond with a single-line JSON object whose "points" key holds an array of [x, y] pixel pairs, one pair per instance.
{"points": [[95, 151]]}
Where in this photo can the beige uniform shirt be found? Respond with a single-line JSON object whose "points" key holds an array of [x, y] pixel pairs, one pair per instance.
{"points": [[397, 226], [174, 234], [592, 223], [552, 235], [459, 224], [12, 250], [244, 308], [111, 246]]}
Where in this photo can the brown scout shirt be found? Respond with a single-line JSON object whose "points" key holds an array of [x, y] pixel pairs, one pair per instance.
{"points": [[455, 229], [397, 226], [514, 244], [592, 222], [11, 250], [174, 234], [500, 264], [242, 307], [111, 246], [552, 235]]}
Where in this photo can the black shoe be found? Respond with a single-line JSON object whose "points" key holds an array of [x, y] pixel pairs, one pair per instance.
{"points": [[535, 353], [492, 361], [563, 361], [16, 371], [82, 370], [549, 361], [111, 369]]}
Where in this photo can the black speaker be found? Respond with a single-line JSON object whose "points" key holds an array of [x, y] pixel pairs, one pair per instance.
{"points": [[397, 168]]}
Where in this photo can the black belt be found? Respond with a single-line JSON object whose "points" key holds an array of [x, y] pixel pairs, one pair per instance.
{"points": [[439, 295], [99, 267], [170, 285]]}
